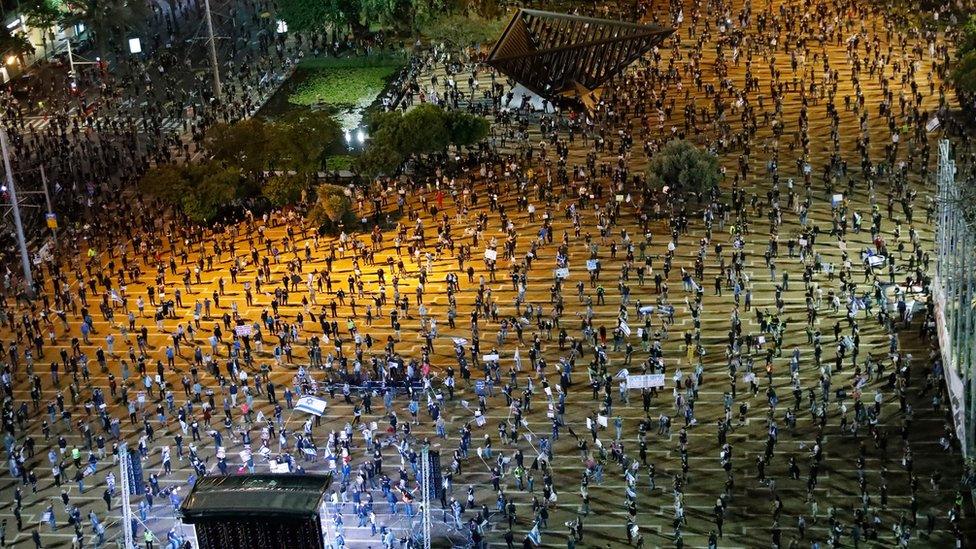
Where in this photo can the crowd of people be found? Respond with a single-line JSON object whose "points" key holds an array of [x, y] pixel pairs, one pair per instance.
{"points": [[519, 286]]}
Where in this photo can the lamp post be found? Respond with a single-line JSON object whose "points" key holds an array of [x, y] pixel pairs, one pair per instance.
{"points": [[18, 225], [218, 92]]}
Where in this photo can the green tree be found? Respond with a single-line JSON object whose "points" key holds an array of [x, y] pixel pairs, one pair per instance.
{"points": [[332, 208], [302, 140], [15, 44], [964, 74], [386, 13], [43, 15], [460, 30], [422, 130], [427, 129], [967, 42], [197, 189], [684, 169], [425, 12], [213, 186], [282, 190], [382, 155], [107, 19], [164, 181], [466, 129], [315, 15], [246, 143], [335, 206]]}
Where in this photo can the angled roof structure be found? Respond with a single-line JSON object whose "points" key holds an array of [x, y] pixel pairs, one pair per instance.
{"points": [[554, 54]]}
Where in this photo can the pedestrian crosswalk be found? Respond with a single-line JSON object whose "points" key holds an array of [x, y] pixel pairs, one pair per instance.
{"points": [[142, 124]]}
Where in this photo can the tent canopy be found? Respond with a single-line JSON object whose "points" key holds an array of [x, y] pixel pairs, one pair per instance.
{"points": [[263, 495]]}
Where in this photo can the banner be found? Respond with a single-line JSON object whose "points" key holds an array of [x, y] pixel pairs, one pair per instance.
{"points": [[645, 381]]}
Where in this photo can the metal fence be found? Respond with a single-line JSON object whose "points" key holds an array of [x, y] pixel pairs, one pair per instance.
{"points": [[953, 289]]}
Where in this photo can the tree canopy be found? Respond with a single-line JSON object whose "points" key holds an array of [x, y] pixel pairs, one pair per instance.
{"points": [[301, 140], [332, 209], [43, 14], [684, 169], [297, 142], [199, 190], [461, 30], [422, 130], [241, 155], [964, 71], [104, 19], [15, 44], [282, 190], [315, 15], [246, 143]]}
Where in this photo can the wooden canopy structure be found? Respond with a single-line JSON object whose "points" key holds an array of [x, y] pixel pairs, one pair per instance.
{"points": [[557, 55]]}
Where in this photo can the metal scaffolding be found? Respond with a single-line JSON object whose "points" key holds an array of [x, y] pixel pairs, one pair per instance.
{"points": [[425, 493], [955, 278], [124, 466]]}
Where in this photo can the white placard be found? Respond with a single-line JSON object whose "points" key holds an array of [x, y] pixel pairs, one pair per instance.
{"points": [[490, 358], [491, 255], [645, 381], [562, 273], [592, 264], [243, 330], [602, 420], [279, 468]]}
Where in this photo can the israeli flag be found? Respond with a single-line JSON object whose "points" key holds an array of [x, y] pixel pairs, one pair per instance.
{"points": [[311, 405]]}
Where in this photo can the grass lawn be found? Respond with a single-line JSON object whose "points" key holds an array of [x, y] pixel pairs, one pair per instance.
{"points": [[343, 83]]}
